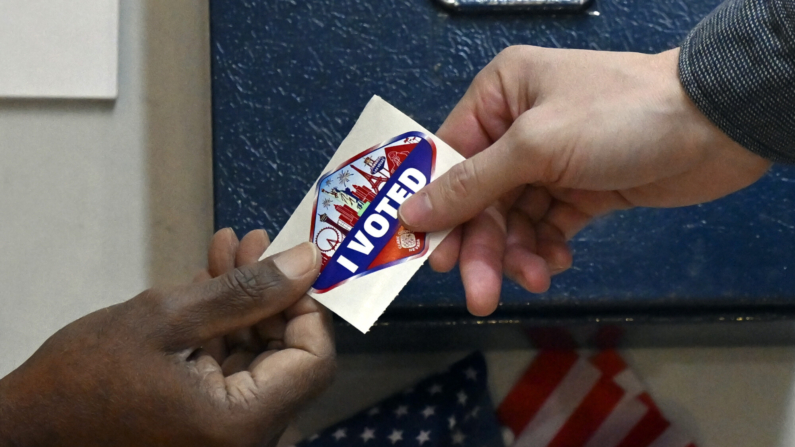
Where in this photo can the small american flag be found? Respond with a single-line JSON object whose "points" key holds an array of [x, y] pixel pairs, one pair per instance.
{"points": [[565, 399], [448, 409]]}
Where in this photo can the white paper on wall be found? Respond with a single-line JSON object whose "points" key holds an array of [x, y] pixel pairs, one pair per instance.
{"points": [[351, 213], [59, 48]]}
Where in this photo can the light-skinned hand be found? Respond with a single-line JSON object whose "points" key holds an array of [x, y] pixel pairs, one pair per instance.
{"points": [[554, 138]]}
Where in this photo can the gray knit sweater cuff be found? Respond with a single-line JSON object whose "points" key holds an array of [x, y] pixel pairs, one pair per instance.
{"points": [[738, 66]]}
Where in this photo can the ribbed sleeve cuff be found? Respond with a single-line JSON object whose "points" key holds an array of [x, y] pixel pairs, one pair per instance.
{"points": [[738, 66]]}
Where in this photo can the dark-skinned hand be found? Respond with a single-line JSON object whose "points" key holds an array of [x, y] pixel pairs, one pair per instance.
{"points": [[226, 360]]}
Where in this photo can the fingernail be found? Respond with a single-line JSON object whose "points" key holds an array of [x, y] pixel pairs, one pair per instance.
{"points": [[416, 209], [298, 261]]}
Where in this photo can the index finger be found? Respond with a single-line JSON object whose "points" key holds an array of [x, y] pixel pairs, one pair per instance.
{"points": [[484, 113]]}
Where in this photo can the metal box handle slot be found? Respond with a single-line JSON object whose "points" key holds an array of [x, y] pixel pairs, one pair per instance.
{"points": [[515, 5]]}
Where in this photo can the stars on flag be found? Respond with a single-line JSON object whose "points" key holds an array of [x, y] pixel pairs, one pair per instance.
{"points": [[429, 411], [440, 411], [397, 435], [367, 434], [340, 433], [424, 436], [401, 411]]}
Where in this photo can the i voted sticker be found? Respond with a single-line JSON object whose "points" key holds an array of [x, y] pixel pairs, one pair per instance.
{"points": [[355, 221], [351, 213]]}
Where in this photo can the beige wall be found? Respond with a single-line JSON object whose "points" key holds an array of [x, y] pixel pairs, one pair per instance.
{"points": [[99, 200]]}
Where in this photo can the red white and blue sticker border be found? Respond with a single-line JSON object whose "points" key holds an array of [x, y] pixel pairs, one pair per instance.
{"points": [[423, 137]]}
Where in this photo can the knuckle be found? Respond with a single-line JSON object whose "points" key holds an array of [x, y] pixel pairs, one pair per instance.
{"points": [[510, 55], [152, 305], [326, 371], [545, 139], [524, 131], [231, 431], [329, 368], [318, 377], [150, 299], [510, 52], [152, 311], [252, 283], [461, 181]]}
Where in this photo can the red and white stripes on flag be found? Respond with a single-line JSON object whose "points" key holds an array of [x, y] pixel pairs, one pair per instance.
{"points": [[568, 400]]}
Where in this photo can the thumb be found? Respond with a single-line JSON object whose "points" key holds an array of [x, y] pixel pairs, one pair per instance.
{"points": [[468, 187], [240, 298]]}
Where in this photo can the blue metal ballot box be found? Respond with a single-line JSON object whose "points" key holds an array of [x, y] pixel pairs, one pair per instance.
{"points": [[291, 76]]}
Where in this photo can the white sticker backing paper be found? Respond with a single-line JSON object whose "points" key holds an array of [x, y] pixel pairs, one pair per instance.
{"points": [[351, 213]]}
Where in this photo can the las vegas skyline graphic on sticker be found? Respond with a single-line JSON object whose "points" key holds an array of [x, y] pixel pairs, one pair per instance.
{"points": [[355, 223]]}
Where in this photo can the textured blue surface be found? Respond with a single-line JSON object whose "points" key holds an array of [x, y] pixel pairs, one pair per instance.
{"points": [[290, 78]]}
